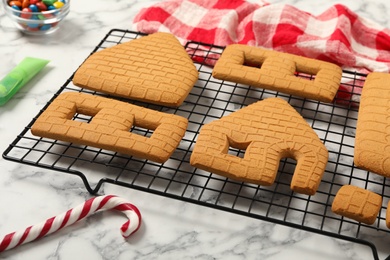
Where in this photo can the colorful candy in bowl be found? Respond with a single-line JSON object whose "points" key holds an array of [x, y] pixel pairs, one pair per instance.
{"points": [[37, 16]]}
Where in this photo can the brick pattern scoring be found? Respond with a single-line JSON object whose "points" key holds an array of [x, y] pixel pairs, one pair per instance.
{"points": [[275, 71], [357, 203], [110, 126], [269, 130], [372, 141], [154, 69]]}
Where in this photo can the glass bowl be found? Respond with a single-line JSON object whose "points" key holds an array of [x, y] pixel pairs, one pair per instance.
{"points": [[35, 22]]}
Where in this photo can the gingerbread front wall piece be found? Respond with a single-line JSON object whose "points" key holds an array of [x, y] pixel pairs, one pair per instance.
{"points": [[268, 130], [110, 127]]}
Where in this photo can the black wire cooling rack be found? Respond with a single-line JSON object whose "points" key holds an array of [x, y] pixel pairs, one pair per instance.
{"points": [[211, 99]]}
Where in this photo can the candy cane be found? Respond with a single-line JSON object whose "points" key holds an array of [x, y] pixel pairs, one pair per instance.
{"points": [[84, 210]]}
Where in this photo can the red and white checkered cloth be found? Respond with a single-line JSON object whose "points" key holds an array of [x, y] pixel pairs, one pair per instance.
{"points": [[337, 35]]}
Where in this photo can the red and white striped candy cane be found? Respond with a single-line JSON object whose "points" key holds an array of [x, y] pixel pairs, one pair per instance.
{"points": [[84, 210]]}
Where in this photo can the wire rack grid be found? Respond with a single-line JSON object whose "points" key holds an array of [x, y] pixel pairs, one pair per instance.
{"points": [[209, 100]]}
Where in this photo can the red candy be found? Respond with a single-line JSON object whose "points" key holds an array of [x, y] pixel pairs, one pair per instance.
{"points": [[26, 13], [41, 6], [48, 16]]}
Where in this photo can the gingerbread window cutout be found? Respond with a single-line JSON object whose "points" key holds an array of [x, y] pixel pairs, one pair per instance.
{"points": [[276, 71], [269, 130], [110, 126]]}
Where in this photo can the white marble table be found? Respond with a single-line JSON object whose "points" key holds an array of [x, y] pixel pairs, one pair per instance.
{"points": [[171, 229]]}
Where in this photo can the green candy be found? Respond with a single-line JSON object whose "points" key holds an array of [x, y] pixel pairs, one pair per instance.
{"points": [[41, 17], [49, 2]]}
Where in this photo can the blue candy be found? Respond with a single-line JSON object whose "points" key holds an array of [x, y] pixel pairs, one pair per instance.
{"points": [[45, 27], [16, 7], [34, 8], [33, 25]]}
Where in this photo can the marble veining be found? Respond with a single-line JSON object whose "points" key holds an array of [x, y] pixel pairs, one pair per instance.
{"points": [[171, 229]]}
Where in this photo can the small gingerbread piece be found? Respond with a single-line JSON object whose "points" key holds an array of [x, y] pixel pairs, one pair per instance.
{"points": [[357, 203], [268, 130], [388, 215], [275, 71], [154, 69], [110, 127], [372, 142]]}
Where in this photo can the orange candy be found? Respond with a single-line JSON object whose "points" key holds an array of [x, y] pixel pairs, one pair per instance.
{"points": [[25, 3], [17, 3]]}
